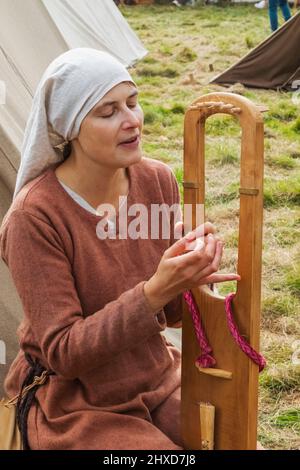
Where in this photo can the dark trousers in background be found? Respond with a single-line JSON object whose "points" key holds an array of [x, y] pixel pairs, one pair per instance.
{"points": [[273, 14]]}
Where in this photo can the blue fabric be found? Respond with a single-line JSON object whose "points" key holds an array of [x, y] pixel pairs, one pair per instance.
{"points": [[273, 5]]}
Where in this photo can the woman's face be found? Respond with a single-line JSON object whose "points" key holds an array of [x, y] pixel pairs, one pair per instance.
{"points": [[116, 118]]}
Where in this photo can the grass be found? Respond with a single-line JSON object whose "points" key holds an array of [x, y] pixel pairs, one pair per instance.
{"points": [[293, 280], [282, 161], [188, 47], [154, 70], [282, 192], [277, 305], [288, 419], [280, 379]]}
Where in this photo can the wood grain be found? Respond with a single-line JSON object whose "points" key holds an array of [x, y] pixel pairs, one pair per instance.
{"points": [[235, 400]]}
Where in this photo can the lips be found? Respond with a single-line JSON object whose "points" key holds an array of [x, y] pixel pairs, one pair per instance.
{"points": [[130, 139]]}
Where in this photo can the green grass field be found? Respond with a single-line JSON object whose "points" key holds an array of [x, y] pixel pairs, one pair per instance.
{"points": [[187, 47]]}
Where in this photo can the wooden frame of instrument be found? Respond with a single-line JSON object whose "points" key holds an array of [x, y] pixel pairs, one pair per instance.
{"points": [[232, 392]]}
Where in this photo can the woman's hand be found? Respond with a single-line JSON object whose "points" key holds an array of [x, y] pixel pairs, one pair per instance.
{"points": [[180, 269]]}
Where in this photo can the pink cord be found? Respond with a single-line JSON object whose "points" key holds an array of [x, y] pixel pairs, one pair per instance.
{"points": [[206, 358]]}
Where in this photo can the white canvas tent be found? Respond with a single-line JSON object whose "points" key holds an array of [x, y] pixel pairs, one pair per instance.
{"points": [[98, 24], [32, 34]]}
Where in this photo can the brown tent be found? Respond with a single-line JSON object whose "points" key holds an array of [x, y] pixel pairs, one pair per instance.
{"points": [[274, 64]]}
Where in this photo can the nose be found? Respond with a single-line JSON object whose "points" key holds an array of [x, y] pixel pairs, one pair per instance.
{"points": [[131, 118]]}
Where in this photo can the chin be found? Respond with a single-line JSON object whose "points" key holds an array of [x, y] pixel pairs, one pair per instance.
{"points": [[135, 157]]}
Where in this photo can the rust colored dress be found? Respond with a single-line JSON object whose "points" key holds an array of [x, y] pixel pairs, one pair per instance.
{"points": [[117, 378]]}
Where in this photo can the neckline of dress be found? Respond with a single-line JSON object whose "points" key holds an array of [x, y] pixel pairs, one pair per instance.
{"points": [[68, 198]]}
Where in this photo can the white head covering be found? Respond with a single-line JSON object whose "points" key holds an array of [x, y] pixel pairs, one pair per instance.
{"points": [[69, 88]]}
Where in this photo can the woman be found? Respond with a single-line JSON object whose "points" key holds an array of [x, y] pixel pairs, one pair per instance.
{"points": [[95, 302]]}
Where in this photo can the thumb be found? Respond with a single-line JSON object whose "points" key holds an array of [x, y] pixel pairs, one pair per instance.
{"points": [[178, 230], [180, 246]]}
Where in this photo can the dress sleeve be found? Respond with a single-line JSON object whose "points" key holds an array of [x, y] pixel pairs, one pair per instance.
{"points": [[173, 310], [70, 343]]}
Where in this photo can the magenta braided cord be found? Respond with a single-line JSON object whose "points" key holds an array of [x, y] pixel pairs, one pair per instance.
{"points": [[206, 358], [241, 342]]}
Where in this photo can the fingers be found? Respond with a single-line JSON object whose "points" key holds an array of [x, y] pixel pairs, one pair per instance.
{"points": [[200, 233], [211, 248], [215, 278], [195, 245], [200, 263], [215, 257], [204, 229], [200, 258], [192, 266], [178, 230], [179, 246]]}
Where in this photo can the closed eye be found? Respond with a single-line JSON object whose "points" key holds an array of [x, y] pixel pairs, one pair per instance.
{"points": [[131, 106], [108, 115]]}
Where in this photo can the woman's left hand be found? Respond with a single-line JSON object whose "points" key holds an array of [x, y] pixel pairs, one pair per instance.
{"points": [[198, 243]]}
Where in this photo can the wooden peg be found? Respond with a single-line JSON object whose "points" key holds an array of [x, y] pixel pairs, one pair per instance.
{"points": [[222, 374], [249, 191], [207, 425]]}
